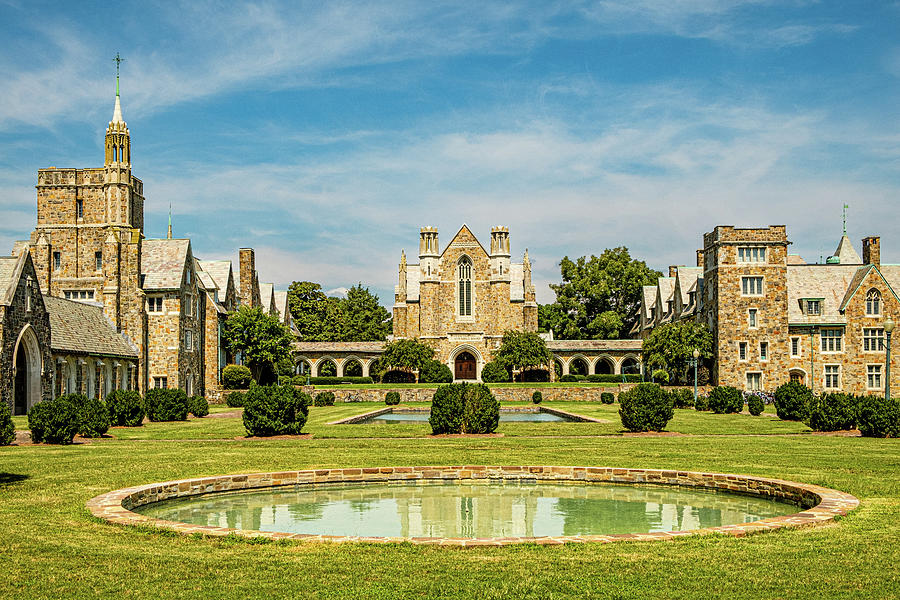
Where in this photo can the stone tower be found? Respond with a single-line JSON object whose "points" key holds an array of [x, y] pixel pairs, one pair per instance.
{"points": [[745, 303]]}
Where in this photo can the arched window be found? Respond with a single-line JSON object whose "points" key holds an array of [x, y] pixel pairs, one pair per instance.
{"points": [[465, 287], [873, 302]]}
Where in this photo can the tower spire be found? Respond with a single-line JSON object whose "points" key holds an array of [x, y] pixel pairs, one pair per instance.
{"points": [[169, 234], [846, 206], [117, 111]]}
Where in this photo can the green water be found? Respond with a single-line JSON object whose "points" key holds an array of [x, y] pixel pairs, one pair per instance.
{"points": [[470, 509], [505, 416]]}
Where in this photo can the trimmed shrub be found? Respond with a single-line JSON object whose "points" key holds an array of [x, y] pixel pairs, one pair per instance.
{"points": [[607, 378], [607, 397], [275, 410], [832, 412], [537, 397], [792, 401], [702, 403], [235, 399], [877, 417], [199, 406], [54, 421], [126, 408], [645, 408], [568, 378], [93, 416], [298, 380], [464, 408], [325, 399], [333, 380], [494, 372], [7, 429], [661, 376], [435, 372], [236, 377], [392, 398], [164, 404], [725, 399], [755, 405], [683, 398], [285, 380], [398, 376]]}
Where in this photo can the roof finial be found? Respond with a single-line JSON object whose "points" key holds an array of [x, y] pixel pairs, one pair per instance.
{"points": [[846, 206], [117, 112], [169, 235]]}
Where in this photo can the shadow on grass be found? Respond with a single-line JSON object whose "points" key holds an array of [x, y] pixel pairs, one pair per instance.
{"points": [[10, 478]]}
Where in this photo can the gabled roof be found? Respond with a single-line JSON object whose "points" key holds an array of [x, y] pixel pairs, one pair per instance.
{"points": [[221, 273], [162, 263], [829, 282], [281, 305], [10, 272], [686, 282], [206, 281], [82, 328], [649, 300], [857, 281], [846, 253], [266, 294], [463, 231]]}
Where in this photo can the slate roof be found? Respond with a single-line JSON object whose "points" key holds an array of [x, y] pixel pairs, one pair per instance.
{"points": [[281, 304], [649, 300], [818, 281], [266, 291], [337, 347], [82, 328], [687, 282], [205, 279], [219, 271], [10, 269], [593, 345], [162, 263], [846, 253]]}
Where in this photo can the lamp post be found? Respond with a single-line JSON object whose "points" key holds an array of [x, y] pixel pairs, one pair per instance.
{"points": [[696, 356], [888, 329]]}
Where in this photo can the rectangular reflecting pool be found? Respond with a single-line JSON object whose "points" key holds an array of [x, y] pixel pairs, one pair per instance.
{"points": [[523, 415]]}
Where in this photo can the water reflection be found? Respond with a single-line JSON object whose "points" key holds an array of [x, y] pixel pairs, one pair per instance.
{"points": [[505, 416], [470, 509]]}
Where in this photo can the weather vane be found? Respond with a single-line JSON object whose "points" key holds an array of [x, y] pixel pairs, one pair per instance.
{"points": [[846, 206], [118, 60]]}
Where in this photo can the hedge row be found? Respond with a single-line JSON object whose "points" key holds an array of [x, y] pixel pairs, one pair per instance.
{"points": [[301, 380]]}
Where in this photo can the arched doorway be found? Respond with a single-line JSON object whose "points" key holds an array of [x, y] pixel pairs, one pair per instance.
{"points": [[464, 366], [27, 385]]}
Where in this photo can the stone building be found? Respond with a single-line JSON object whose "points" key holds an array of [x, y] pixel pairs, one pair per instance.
{"points": [[463, 298], [775, 318]]}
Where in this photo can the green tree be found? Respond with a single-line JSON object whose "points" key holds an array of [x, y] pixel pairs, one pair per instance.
{"points": [[261, 339], [520, 351], [598, 297], [357, 318], [671, 346], [406, 354]]}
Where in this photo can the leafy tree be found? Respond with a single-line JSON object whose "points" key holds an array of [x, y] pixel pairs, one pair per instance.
{"points": [[598, 297], [357, 318], [406, 354], [261, 339], [671, 345], [521, 350]]}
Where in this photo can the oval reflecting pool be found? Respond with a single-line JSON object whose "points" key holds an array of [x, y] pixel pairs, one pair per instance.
{"points": [[468, 509]]}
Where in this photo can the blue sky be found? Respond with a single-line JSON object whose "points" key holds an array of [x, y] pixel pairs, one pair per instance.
{"points": [[325, 134]]}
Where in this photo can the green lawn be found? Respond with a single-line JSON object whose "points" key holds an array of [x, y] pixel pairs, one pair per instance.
{"points": [[51, 548]]}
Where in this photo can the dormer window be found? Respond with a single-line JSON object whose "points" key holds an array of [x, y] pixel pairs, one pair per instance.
{"points": [[873, 303], [814, 307]]}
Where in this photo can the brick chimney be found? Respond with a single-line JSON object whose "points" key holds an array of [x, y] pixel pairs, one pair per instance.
{"points": [[247, 272], [673, 270], [700, 257], [871, 250]]}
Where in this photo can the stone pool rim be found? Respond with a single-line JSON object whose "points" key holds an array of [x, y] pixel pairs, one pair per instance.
{"points": [[823, 504], [358, 419]]}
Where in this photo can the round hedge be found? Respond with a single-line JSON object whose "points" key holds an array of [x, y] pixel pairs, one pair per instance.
{"points": [[93, 416], [607, 397], [199, 405], [645, 408], [236, 377], [725, 399], [275, 410], [392, 398], [464, 408], [54, 421], [324, 399], [537, 397], [878, 417], [494, 372], [435, 372], [832, 412], [126, 408], [755, 405], [235, 399], [792, 401], [164, 404], [7, 429]]}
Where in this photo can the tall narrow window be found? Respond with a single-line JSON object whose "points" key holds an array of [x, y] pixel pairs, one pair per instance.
{"points": [[752, 318], [873, 302], [79, 209], [57, 261], [98, 261], [795, 346], [465, 287]]}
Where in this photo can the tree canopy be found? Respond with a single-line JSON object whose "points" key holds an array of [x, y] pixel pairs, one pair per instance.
{"points": [[261, 339], [521, 350], [408, 354], [598, 297], [357, 318], [671, 346]]}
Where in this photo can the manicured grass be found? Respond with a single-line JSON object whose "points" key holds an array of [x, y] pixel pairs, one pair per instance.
{"points": [[51, 548]]}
